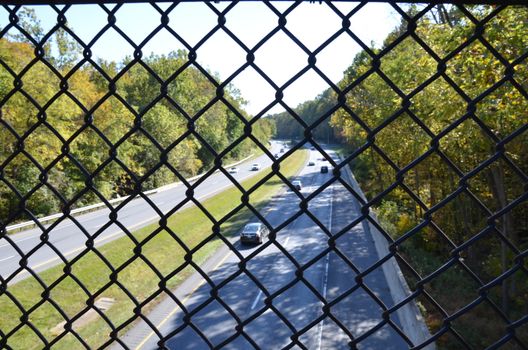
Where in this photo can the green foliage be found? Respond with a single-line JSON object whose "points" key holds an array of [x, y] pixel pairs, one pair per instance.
{"points": [[287, 127], [29, 22], [158, 246], [474, 69], [155, 128]]}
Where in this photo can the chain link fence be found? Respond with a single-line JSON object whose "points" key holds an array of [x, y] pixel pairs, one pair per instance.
{"points": [[416, 237]]}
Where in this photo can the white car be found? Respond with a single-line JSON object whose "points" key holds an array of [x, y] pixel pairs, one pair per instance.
{"points": [[234, 170], [255, 167], [297, 184]]}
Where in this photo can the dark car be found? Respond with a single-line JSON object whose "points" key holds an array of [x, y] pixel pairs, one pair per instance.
{"points": [[324, 169], [310, 163], [253, 233]]}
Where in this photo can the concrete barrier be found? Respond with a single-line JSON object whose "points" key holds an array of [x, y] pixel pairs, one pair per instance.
{"points": [[410, 316]]}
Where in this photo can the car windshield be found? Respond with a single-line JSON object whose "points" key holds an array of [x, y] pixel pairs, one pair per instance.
{"points": [[251, 228], [296, 182]]}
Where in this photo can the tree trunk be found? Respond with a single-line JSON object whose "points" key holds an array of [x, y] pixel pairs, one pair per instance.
{"points": [[496, 178], [378, 171]]}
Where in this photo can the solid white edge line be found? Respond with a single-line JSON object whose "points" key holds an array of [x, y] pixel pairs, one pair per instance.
{"points": [[325, 280], [9, 257]]}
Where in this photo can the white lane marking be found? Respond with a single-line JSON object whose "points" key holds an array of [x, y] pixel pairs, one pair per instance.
{"points": [[225, 186], [9, 257], [97, 241], [325, 284], [18, 240], [285, 245], [64, 226], [325, 280], [256, 300], [111, 235], [210, 194], [61, 226]]}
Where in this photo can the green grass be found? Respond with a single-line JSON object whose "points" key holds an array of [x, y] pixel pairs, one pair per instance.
{"points": [[190, 225]]}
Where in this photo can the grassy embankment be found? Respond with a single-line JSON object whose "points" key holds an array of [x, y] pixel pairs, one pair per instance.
{"points": [[191, 226]]}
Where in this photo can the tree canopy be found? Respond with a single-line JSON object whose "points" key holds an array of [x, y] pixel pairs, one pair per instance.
{"points": [[461, 113], [66, 126], [441, 110]]}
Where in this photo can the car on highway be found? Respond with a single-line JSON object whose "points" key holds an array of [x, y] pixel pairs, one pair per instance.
{"points": [[324, 169], [297, 184], [234, 170], [281, 150], [254, 232], [311, 163], [276, 156], [255, 167]]}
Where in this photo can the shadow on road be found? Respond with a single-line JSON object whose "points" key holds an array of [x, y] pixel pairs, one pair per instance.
{"points": [[269, 295]]}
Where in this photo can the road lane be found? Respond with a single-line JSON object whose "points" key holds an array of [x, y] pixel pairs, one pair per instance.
{"points": [[287, 301], [69, 238]]}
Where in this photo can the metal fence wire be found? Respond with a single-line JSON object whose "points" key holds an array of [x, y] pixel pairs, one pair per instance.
{"points": [[63, 307]]}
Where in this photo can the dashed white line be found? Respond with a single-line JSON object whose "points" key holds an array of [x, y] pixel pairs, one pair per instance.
{"points": [[325, 279], [18, 240], [97, 242], [9, 257], [256, 300]]}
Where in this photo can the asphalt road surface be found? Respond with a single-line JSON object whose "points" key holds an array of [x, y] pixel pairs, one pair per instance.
{"points": [[296, 303], [69, 239]]}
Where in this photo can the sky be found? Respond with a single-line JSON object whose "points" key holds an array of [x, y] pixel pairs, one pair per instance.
{"points": [[280, 58]]}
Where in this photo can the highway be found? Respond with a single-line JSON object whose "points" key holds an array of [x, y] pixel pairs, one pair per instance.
{"points": [[68, 238], [296, 305]]}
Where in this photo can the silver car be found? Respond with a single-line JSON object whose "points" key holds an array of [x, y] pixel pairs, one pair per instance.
{"points": [[297, 184], [253, 233]]}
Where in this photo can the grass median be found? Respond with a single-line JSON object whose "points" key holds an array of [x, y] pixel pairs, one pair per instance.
{"points": [[162, 251]]}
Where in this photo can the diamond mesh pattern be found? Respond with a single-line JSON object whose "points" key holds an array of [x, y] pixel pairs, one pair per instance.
{"points": [[38, 104]]}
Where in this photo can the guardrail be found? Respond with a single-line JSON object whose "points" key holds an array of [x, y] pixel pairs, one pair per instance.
{"points": [[92, 207]]}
